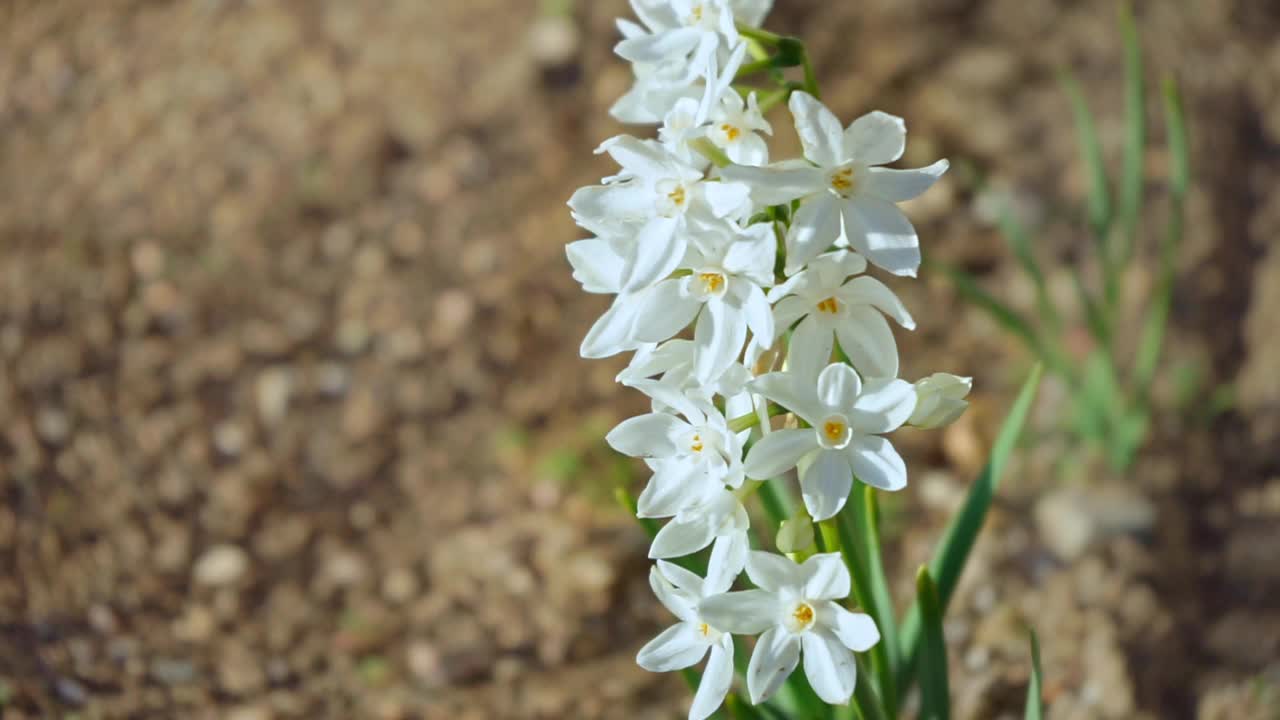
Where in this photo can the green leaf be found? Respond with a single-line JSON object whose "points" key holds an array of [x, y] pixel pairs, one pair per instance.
{"points": [[1035, 690], [935, 696], [1152, 339], [952, 553], [1097, 322], [1019, 241], [1100, 210], [1179, 146], [1131, 178], [868, 704], [859, 528]]}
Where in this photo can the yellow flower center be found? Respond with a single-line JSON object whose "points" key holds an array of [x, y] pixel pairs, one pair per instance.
{"points": [[696, 446], [730, 132], [704, 629], [803, 615], [712, 282], [834, 430], [829, 306], [842, 180], [677, 195]]}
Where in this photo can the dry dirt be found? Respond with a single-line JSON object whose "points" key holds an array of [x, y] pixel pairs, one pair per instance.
{"points": [[292, 422]]}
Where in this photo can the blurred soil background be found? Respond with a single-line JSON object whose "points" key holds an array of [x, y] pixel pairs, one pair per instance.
{"points": [[292, 421]]}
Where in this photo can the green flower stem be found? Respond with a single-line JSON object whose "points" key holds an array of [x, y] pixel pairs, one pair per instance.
{"points": [[708, 150], [750, 420], [760, 35]]}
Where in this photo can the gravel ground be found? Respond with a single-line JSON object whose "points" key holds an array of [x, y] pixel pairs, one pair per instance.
{"points": [[292, 422]]}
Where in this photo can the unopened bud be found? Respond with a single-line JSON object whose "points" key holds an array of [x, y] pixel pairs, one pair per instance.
{"points": [[940, 400], [795, 534]]}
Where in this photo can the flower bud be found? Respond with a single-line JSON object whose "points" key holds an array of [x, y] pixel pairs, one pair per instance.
{"points": [[795, 534], [940, 400]]}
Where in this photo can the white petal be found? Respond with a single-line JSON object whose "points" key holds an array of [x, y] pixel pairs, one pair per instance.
{"points": [[685, 580], [825, 484], [678, 602], [651, 435], [819, 129], [829, 666], [809, 353], [658, 251], [728, 557], [751, 12], [870, 291], [759, 314], [665, 311], [856, 631], [878, 229], [717, 678], [884, 405], [679, 538], [876, 463], [752, 253], [642, 158], [778, 452], [787, 311], [658, 47], [815, 228], [670, 395], [901, 185], [775, 185], [676, 648], [611, 334], [611, 205], [673, 487], [826, 577], [772, 572], [726, 198], [776, 655], [745, 612], [717, 340], [597, 264], [866, 338], [791, 391], [839, 386], [876, 138]]}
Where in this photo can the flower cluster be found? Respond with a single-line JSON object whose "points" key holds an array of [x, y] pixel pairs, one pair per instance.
{"points": [[767, 263]]}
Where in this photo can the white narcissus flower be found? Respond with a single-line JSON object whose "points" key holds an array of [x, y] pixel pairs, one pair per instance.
{"points": [[833, 306], [845, 417], [735, 126], [673, 362], [840, 185], [660, 200], [684, 644], [794, 606], [940, 400], [729, 267]]}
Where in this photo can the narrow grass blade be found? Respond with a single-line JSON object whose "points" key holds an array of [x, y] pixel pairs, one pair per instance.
{"points": [[1035, 690], [952, 553], [1131, 179], [1099, 205], [1005, 316], [777, 503], [1019, 241], [1179, 145], [1095, 319], [935, 695], [1157, 321]]}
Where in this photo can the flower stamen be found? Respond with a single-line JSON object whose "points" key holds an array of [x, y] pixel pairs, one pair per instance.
{"points": [[829, 306]]}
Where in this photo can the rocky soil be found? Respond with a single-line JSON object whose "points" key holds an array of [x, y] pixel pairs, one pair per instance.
{"points": [[292, 422]]}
